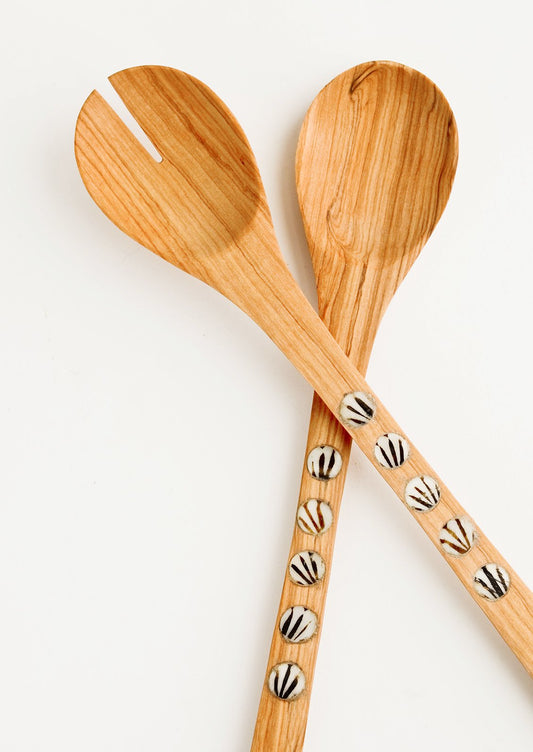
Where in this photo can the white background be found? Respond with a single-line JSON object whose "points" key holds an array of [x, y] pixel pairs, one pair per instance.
{"points": [[152, 437]]}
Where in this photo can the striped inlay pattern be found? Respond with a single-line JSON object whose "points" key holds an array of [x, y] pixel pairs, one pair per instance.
{"points": [[492, 582], [422, 493], [314, 516], [286, 681], [324, 462], [357, 409], [391, 450], [298, 624], [458, 536], [306, 568]]}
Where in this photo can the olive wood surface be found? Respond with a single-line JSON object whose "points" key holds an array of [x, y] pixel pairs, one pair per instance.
{"points": [[204, 209]]}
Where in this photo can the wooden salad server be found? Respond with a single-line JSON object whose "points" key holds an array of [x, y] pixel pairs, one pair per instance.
{"points": [[372, 184], [204, 209]]}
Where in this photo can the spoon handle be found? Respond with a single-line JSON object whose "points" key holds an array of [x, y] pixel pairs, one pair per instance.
{"points": [[281, 725]]}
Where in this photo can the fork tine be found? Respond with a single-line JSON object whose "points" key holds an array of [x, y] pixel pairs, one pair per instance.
{"points": [[187, 123], [116, 169], [152, 94]]}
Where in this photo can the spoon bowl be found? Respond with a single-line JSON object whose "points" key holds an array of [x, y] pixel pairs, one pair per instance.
{"points": [[375, 164]]}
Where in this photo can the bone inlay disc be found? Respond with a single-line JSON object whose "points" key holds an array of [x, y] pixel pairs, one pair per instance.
{"points": [[298, 624], [391, 450], [314, 516], [286, 681], [422, 493], [307, 568], [324, 462], [492, 581], [357, 409], [458, 536]]}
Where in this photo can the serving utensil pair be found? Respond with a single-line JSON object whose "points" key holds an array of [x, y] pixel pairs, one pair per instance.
{"points": [[375, 164]]}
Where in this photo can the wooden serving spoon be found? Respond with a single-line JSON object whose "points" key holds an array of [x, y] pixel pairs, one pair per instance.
{"points": [[372, 184], [204, 209]]}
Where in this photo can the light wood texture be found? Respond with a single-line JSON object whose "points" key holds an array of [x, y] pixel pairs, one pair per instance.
{"points": [[375, 163], [203, 209]]}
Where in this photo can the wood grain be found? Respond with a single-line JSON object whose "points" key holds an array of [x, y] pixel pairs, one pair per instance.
{"points": [[203, 209], [375, 163]]}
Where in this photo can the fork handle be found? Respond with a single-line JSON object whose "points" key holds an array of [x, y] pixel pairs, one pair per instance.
{"points": [[288, 318], [488, 578]]}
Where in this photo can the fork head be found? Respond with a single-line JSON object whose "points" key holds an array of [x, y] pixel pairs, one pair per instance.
{"points": [[205, 193]]}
